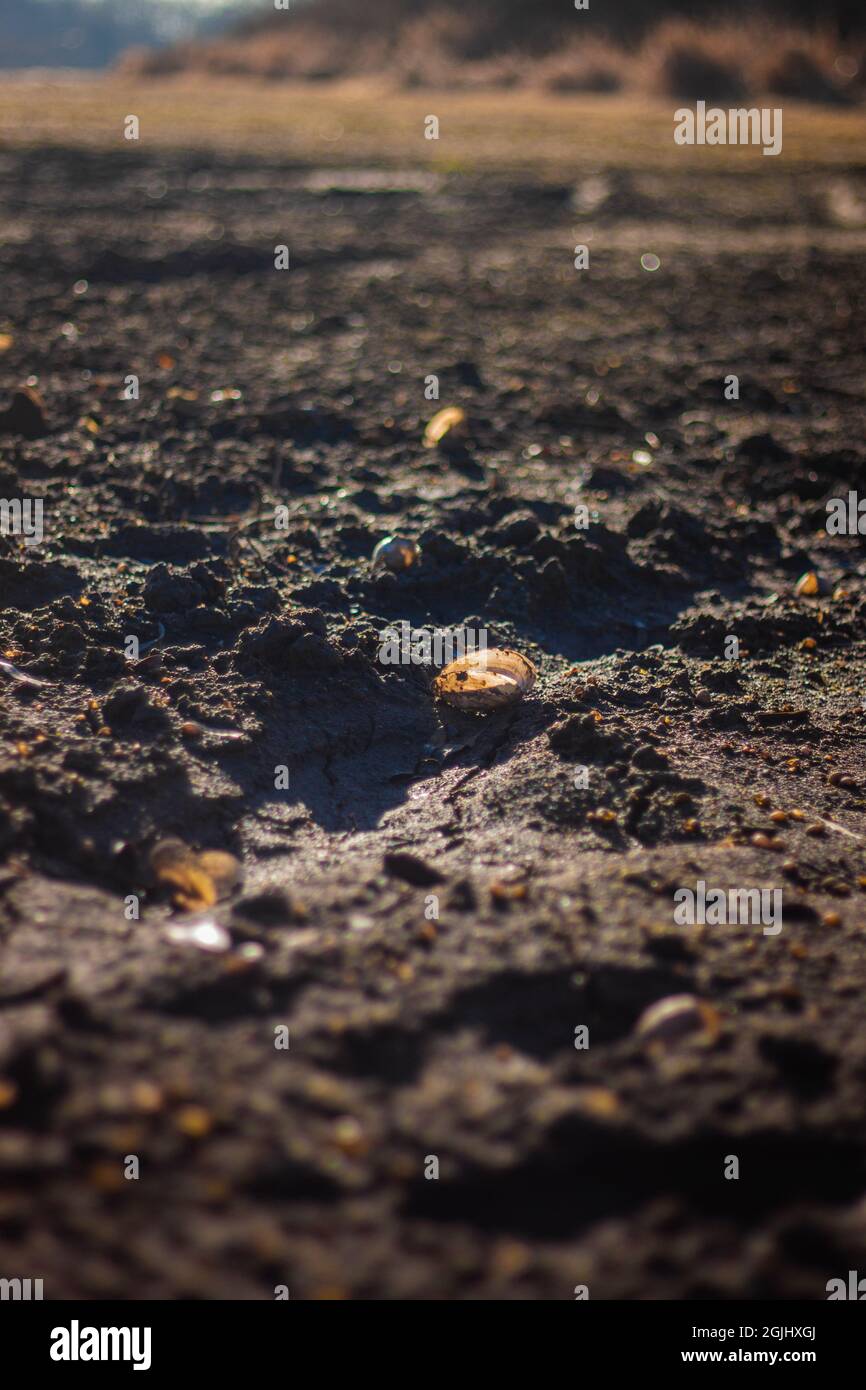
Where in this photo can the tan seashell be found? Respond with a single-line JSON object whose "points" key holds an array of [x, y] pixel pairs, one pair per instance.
{"points": [[486, 680], [451, 422], [196, 880], [676, 1017], [808, 585], [396, 553]]}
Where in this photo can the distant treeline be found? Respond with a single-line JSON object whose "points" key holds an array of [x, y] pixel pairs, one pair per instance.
{"points": [[813, 50], [532, 25]]}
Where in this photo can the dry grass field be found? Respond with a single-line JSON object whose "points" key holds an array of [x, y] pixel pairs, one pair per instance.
{"points": [[365, 121]]}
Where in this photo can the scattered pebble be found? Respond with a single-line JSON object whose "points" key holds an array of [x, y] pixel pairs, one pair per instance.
{"points": [[762, 841], [25, 416], [410, 868], [349, 1137], [194, 1121], [359, 921], [147, 1096], [598, 1102], [507, 892]]}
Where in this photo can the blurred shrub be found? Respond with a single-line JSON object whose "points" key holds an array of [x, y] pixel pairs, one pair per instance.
{"points": [[505, 43]]}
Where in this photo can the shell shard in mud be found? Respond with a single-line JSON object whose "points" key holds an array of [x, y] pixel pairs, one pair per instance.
{"points": [[677, 1017], [486, 680], [22, 677], [195, 881], [808, 585], [396, 553], [448, 425]]}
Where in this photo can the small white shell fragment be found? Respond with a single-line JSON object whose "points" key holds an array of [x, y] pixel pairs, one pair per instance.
{"points": [[206, 934], [359, 921], [486, 680], [396, 553], [676, 1017], [15, 675]]}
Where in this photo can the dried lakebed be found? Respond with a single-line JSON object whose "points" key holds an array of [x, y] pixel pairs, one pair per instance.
{"points": [[437, 902]]}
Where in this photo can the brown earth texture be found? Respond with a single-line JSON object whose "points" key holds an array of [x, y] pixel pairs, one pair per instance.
{"points": [[460, 919]]}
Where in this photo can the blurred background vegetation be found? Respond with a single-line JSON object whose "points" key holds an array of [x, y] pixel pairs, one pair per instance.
{"points": [[809, 49], [814, 50]]}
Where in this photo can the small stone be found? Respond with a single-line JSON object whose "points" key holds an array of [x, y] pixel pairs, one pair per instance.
{"points": [[598, 1102], [250, 952], [507, 892], [25, 416], [411, 869], [510, 1259], [147, 1097], [349, 1137], [762, 841], [106, 1177], [271, 906], [359, 921], [194, 1121]]}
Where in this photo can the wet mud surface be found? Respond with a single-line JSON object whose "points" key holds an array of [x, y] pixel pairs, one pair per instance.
{"points": [[414, 1036]]}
